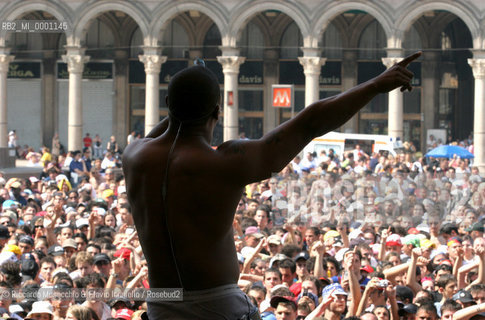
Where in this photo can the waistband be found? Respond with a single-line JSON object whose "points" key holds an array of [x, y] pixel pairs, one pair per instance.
{"points": [[205, 294]]}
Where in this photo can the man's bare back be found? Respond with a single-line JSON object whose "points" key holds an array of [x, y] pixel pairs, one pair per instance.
{"points": [[204, 185], [201, 206]]}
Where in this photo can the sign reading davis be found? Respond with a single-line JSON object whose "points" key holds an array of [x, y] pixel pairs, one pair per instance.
{"points": [[92, 70], [24, 70], [251, 72]]}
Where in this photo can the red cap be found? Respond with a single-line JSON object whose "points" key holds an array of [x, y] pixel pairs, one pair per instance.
{"points": [[124, 314], [413, 231], [367, 269], [124, 253]]}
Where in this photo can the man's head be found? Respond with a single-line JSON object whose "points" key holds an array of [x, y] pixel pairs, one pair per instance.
{"points": [[193, 94], [285, 308], [287, 269], [426, 311]]}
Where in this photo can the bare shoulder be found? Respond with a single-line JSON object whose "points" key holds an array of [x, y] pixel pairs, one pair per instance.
{"points": [[137, 151]]}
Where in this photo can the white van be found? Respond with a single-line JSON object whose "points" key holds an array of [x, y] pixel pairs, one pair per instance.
{"points": [[343, 142]]}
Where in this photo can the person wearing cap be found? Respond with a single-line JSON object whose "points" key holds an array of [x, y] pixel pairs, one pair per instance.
{"points": [[408, 312], [476, 230], [274, 244], [70, 247], [464, 298], [285, 308], [252, 236], [333, 304], [26, 244], [102, 264], [41, 310]]}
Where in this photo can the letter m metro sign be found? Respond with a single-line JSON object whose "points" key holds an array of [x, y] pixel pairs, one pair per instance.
{"points": [[283, 95]]}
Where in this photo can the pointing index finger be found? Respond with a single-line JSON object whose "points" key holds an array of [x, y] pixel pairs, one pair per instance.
{"points": [[406, 61]]}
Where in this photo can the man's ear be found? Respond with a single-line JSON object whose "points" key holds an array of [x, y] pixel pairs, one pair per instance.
{"points": [[166, 100], [216, 112]]}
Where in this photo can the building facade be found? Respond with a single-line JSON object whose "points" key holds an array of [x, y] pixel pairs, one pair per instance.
{"points": [[105, 70]]}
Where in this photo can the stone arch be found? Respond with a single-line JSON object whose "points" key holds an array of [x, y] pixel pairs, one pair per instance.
{"points": [[165, 13], [18, 8], [243, 14], [465, 14], [328, 12], [137, 13]]}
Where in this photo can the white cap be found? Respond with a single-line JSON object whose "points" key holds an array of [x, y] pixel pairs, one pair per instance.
{"points": [[41, 307]]}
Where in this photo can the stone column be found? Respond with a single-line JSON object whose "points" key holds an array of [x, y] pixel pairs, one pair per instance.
{"points": [[5, 60], [230, 67], [153, 62], [349, 80], [395, 120], [312, 64], [478, 67], [430, 92], [75, 60], [270, 76], [121, 109], [50, 123]]}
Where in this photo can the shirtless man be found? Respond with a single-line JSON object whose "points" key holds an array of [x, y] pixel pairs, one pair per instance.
{"points": [[184, 194]]}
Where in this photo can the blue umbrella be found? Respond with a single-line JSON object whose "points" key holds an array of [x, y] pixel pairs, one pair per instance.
{"points": [[447, 151]]}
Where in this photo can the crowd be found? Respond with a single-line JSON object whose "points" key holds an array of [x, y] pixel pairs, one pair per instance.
{"points": [[352, 236]]}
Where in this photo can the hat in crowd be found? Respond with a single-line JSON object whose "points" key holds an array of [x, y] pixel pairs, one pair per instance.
{"points": [[453, 241], [9, 213], [114, 301], [123, 253], [356, 233], [55, 250], [277, 257], [277, 299], [12, 248], [15, 308], [81, 222], [475, 227], [413, 231], [16, 185], [40, 307], [394, 240], [4, 234], [408, 308], [7, 204], [309, 295], [69, 243], [334, 286], [302, 255], [100, 257], [330, 234], [423, 227], [404, 293], [274, 239], [26, 239], [7, 256], [100, 211], [253, 231], [108, 193], [427, 244], [28, 266], [124, 314], [33, 179], [247, 251], [367, 269], [70, 210], [413, 240], [464, 296]]}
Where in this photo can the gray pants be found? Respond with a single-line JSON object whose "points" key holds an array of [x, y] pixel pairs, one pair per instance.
{"points": [[224, 302]]}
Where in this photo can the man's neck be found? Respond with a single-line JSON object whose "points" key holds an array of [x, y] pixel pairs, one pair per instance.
{"points": [[330, 315]]}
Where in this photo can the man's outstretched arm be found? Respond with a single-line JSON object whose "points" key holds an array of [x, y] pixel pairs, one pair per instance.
{"points": [[260, 158]]}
